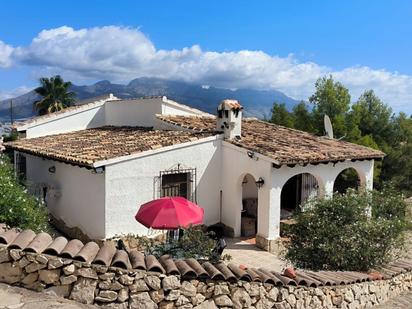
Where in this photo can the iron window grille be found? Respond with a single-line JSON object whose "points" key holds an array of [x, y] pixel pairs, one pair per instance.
{"points": [[178, 181]]}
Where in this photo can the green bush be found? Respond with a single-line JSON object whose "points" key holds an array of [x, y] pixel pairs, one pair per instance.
{"points": [[343, 234], [194, 243], [17, 207]]}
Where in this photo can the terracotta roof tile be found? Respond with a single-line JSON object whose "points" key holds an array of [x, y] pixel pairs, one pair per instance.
{"points": [[108, 255], [88, 146], [232, 104], [283, 145]]}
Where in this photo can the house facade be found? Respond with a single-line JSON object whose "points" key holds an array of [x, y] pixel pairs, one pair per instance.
{"points": [[95, 164]]}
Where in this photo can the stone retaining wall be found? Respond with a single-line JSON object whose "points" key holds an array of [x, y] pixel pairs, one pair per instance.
{"points": [[113, 287]]}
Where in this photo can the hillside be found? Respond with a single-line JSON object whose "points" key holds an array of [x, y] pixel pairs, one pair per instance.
{"points": [[256, 102]]}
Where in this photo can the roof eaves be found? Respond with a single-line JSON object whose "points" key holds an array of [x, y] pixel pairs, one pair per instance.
{"points": [[245, 150], [153, 151], [56, 116], [75, 162]]}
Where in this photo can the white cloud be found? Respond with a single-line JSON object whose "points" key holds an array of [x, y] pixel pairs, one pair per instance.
{"points": [[5, 55], [6, 94], [120, 54]]}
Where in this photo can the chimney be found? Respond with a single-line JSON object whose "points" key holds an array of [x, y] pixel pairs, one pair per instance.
{"points": [[229, 118]]}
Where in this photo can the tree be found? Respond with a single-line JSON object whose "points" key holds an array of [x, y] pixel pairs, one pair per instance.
{"points": [[333, 99], [373, 117], [55, 95], [303, 118], [397, 165], [281, 116]]}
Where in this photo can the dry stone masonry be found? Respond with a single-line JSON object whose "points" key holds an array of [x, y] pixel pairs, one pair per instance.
{"points": [[112, 278]]}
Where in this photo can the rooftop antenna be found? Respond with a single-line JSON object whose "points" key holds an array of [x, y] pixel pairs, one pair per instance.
{"points": [[328, 126]]}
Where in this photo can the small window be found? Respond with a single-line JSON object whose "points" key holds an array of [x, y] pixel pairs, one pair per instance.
{"points": [[176, 185], [226, 113], [220, 113], [21, 167], [178, 182], [236, 113]]}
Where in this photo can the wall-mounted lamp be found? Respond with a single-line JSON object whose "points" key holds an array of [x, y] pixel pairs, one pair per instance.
{"points": [[52, 169], [260, 182], [251, 154]]}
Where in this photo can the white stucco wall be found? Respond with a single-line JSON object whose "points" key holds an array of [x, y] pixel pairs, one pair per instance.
{"points": [[170, 107], [76, 195], [135, 112], [75, 121], [132, 183], [235, 165], [325, 174], [139, 112]]}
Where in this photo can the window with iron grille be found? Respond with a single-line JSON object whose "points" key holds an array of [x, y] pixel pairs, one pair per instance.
{"points": [[21, 166], [178, 181]]}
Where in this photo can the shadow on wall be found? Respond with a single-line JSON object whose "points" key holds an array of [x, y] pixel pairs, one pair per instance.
{"points": [[99, 119]]}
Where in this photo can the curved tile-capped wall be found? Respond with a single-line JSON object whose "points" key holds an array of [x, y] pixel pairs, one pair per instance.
{"points": [[152, 264], [72, 248], [121, 259], [88, 252], [8, 236], [169, 265], [57, 246], [39, 243], [137, 260], [107, 255], [185, 270], [200, 272], [22, 240]]}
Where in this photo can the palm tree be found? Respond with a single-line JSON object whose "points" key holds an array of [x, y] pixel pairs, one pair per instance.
{"points": [[55, 95]]}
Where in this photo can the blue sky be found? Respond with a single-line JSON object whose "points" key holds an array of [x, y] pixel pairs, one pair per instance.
{"points": [[262, 44]]}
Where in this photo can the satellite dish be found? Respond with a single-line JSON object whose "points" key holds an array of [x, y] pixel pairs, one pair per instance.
{"points": [[328, 126]]}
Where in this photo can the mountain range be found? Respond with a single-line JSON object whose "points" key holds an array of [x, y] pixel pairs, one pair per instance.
{"points": [[257, 103]]}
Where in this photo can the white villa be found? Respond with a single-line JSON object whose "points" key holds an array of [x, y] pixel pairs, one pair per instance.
{"points": [[95, 164]]}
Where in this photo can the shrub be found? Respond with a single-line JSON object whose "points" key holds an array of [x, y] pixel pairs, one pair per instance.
{"points": [[194, 243], [341, 234], [17, 207]]}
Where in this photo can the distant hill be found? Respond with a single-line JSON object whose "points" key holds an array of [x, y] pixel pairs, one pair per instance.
{"points": [[256, 102]]}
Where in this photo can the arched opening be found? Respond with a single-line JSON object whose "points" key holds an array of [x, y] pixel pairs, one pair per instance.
{"points": [[249, 215], [348, 178], [295, 192]]}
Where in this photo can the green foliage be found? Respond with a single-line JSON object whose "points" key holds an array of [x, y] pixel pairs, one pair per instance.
{"points": [[17, 207], [55, 95], [281, 116], [368, 122], [347, 179], [303, 118], [333, 99], [11, 137], [339, 233], [195, 243], [372, 117]]}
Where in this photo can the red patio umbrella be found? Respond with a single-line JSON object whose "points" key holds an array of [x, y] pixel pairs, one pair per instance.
{"points": [[170, 213]]}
